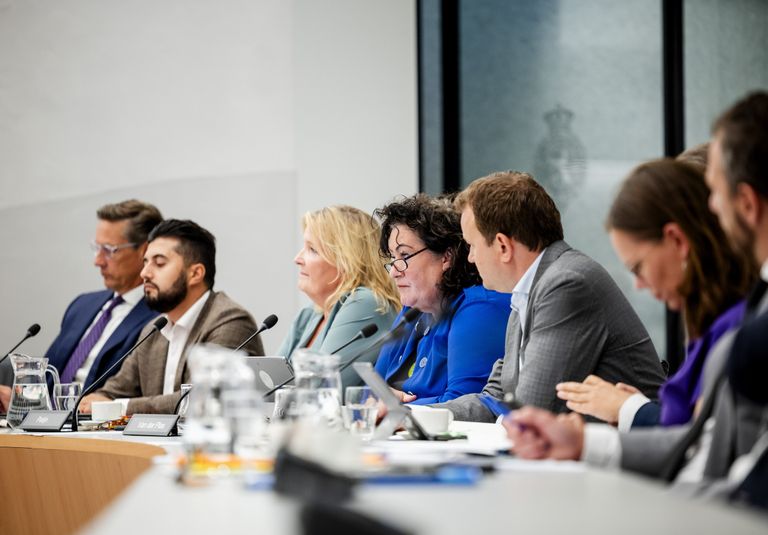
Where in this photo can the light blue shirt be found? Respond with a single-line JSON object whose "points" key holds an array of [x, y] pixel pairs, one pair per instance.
{"points": [[519, 300]]}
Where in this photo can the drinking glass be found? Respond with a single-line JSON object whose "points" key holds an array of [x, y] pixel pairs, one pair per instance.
{"points": [[318, 387], [285, 404], [65, 395], [243, 410], [360, 409]]}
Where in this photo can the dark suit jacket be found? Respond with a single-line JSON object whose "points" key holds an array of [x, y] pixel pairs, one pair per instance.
{"points": [[748, 365], [221, 321], [649, 415], [79, 316]]}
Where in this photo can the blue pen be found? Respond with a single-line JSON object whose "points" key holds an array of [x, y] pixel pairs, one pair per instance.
{"points": [[497, 407], [445, 475], [500, 408]]}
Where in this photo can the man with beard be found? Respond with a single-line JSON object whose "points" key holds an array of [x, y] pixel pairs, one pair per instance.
{"points": [[178, 274], [712, 455]]}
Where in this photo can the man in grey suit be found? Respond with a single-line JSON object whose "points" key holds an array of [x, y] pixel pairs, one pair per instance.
{"points": [[568, 319], [698, 457], [179, 271]]}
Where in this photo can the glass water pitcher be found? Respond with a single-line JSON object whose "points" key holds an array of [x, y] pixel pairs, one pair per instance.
{"points": [[30, 389]]}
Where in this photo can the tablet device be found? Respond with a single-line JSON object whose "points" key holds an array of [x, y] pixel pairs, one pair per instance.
{"points": [[397, 413], [269, 371]]}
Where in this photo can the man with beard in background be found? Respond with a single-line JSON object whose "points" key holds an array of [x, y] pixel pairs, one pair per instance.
{"points": [[178, 274]]}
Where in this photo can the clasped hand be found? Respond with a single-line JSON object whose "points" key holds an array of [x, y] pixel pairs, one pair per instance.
{"points": [[596, 397], [540, 434]]}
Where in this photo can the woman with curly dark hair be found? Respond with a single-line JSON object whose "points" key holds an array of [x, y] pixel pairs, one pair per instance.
{"points": [[450, 350]]}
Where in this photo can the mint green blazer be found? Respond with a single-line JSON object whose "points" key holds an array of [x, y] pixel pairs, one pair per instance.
{"points": [[353, 311]]}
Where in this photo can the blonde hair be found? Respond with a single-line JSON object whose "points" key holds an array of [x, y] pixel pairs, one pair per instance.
{"points": [[348, 239]]}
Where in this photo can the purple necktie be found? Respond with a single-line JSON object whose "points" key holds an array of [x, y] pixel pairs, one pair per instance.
{"points": [[85, 346]]}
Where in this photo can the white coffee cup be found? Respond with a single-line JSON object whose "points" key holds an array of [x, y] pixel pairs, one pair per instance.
{"points": [[102, 411], [433, 420]]}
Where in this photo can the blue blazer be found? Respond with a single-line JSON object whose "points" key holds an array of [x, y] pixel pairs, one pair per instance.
{"points": [[77, 319], [455, 355]]}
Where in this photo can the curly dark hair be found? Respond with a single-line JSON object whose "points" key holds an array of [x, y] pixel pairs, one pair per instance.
{"points": [[438, 225]]}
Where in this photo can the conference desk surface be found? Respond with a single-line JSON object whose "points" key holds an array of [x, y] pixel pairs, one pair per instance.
{"points": [[57, 483], [524, 497]]}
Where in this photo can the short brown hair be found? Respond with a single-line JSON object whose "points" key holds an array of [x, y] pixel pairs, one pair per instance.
{"points": [[743, 131], [142, 217], [698, 156], [513, 203]]}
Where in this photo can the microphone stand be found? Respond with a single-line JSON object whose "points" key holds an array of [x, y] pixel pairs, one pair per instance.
{"points": [[365, 332], [157, 325], [269, 322], [32, 331]]}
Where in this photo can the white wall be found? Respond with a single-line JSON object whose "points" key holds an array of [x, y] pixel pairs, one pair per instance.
{"points": [[238, 114], [356, 116]]}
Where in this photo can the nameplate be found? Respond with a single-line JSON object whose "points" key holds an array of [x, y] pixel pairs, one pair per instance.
{"points": [[152, 425], [44, 420]]}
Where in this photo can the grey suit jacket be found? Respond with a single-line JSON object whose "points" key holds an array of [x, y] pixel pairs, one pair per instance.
{"points": [[577, 323], [221, 321], [737, 425]]}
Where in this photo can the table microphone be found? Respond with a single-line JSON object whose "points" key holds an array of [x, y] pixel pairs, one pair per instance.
{"points": [[407, 318], [269, 322], [32, 331], [158, 324], [365, 332]]}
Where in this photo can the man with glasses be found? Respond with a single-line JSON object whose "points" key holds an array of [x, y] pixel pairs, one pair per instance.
{"points": [[179, 273], [99, 327]]}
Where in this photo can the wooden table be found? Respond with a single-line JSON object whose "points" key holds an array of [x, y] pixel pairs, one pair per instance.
{"points": [[55, 484]]}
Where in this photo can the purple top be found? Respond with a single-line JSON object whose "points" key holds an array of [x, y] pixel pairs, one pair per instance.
{"points": [[679, 394]]}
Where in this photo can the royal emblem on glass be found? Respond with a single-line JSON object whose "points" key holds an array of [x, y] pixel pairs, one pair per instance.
{"points": [[561, 160]]}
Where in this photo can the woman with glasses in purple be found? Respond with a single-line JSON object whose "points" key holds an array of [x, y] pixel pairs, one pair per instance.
{"points": [[450, 349]]}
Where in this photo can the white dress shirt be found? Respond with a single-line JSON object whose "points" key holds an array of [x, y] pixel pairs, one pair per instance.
{"points": [[628, 410], [119, 313], [177, 334], [602, 446], [519, 300]]}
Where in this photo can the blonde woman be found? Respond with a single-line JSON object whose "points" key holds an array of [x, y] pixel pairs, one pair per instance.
{"points": [[342, 273]]}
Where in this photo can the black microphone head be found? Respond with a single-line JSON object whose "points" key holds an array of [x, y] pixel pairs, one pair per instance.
{"points": [[160, 322], [369, 330], [411, 315], [269, 322], [33, 330]]}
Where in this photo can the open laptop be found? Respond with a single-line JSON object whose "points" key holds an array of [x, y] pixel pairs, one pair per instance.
{"points": [[397, 414], [269, 371]]}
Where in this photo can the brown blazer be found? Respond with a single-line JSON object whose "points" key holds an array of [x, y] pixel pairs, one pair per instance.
{"points": [[221, 321]]}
